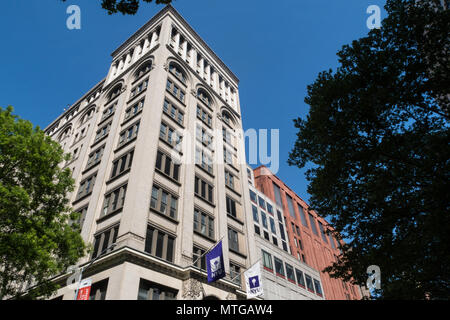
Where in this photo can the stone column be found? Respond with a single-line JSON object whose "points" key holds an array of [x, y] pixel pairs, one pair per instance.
{"points": [[154, 38]]}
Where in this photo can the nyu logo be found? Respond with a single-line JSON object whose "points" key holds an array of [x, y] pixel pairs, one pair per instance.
{"points": [[254, 282], [216, 265]]}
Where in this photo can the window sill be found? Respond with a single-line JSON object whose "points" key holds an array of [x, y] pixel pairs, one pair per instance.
{"points": [[168, 177], [268, 269], [172, 119], [238, 253], [170, 145], [90, 167], [177, 98], [280, 275], [118, 176], [205, 200], [124, 144], [212, 240], [109, 215], [137, 95], [81, 198], [235, 219], [99, 140], [204, 170], [104, 119], [125, 121], [164, 215]]}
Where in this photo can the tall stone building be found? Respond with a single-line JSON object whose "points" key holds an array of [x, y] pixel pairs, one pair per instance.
{"points": [[153, 176]]}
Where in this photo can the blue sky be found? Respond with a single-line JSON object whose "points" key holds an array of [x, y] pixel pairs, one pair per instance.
{"points": [[276, 48]]}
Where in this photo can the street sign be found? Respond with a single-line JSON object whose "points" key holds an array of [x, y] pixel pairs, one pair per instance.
{"points": [[84, 289]]}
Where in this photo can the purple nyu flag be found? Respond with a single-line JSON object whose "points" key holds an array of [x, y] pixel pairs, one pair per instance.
{"points": [[215, 264]]}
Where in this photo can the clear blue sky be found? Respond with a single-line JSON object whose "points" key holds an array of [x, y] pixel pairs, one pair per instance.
{"points": [[276, 48]]}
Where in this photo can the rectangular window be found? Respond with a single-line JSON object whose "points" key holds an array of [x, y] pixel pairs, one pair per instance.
{"points": [[290, 273], [267, 260], [173, 89], [302, 215], [283, 236], [104, 240], [166, 166], [331, 241], [233, 240], [313, 224], [122, 164], [235, 273], [318, 287], [266, 236], [130, 112], [159, 244], [290, 206], [277, 192], [227, 156], [98, 290], [114, 200], [164, 202], [203, 159], [300, 279], [86, 186], [152, 291], [272, 226], [109, 111], [262, 203], [229, 179], [257, 230], [102, 132], [174, 112], [95, 157], [129, 134], [309, 283], [196, 254], [255, 214], [231, 206], [252, 196], [264, 219], [297, 229], [203, 189], [170, 135], [142, 86], [322, 232], [82, 216], [203, 223], [269, 208], [279, 267], [204, 116]]}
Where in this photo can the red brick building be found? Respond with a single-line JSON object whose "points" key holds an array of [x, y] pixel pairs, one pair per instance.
{"points": [[306, 233]]}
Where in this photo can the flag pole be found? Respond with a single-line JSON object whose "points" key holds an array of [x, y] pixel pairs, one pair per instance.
{"points": [[246, 269], [193, 264]]}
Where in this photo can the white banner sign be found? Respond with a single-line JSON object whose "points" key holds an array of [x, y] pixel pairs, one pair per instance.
{"points": [[253, 281]]}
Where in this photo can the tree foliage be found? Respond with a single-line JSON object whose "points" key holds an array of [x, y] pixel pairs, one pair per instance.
{"points": [[377, 134], [126, 6], [36, 240]]}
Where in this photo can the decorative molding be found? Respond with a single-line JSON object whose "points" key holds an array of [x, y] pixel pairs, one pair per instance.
{"points": [[193, 290]]}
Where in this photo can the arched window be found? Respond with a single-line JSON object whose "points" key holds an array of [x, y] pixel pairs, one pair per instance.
{"points": [[65, 133], [88, 114], [177, 72], [226, 117], [115, 92], [143, 69], [203, 96]]}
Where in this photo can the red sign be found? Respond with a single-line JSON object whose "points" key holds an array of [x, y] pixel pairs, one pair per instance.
{"points": [[84, 290]]}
